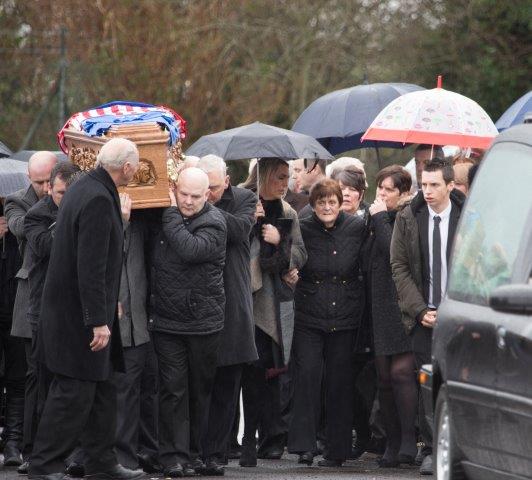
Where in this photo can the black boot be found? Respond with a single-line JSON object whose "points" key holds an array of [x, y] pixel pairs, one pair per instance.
{"points": [[14, 426], [248, 457]]}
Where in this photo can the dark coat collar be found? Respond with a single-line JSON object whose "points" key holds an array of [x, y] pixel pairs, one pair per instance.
{"points": [[228, 196], [205, 208], [418, 202], [30, 197], [102, 176], [339, 221]]}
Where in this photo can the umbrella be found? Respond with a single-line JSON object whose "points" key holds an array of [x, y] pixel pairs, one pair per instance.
{"points": [[13, 176], [340, 118], [437, 117], [24, 155], [516, 113], [4, 150], [258, 140]]}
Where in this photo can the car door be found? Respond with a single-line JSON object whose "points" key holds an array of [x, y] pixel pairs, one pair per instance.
{"points": [[485, 254], [514, 360]]}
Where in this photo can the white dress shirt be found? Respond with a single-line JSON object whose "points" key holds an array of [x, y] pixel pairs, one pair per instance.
{"points": [[444, 235]]}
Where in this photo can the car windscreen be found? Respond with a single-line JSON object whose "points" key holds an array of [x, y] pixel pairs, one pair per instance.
{"points": [[492, 224]]}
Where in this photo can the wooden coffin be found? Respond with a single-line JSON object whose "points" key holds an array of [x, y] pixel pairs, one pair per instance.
{"points": [[158, 162]]}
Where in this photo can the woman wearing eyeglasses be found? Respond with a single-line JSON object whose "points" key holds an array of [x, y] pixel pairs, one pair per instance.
{"points": [[329, 301]]}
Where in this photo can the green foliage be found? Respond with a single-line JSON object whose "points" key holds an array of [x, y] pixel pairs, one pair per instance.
{"points": [[224, 63]]}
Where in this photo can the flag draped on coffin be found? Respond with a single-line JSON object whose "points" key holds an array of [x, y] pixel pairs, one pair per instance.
{"points": [[96, 121]]}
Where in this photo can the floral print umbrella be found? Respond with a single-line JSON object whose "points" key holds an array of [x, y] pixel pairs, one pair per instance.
{"points": [[436, 117]]}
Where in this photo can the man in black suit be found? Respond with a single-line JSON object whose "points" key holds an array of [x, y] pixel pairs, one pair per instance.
{"points": [[21, 378], [421, 245], [38, 231], [237, 343], [78, 313]]}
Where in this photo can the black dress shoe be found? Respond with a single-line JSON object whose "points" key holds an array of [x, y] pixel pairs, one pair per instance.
{"points": [[306, 458], [118, 472], [330, 463], [357, 451], [387, 462], [23, 469], [274, 453], [175, 471], [376, 446], [149, 463], [212, 469], [406, 459], [75, 469], [12, 456], [234, 453], [248, 458]]}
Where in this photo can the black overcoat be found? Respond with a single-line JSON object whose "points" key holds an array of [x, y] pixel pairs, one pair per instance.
{"points": [[83, 281], [389, 336], [238, 336], [38, 230]]}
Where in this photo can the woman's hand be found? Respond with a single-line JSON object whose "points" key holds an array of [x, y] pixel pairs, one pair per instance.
{"points": [[379, 205], [271, 234], [291, 277]]}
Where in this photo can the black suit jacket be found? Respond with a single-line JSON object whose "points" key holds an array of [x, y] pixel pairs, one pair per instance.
{"points": [[83, 281], [422, 217]]}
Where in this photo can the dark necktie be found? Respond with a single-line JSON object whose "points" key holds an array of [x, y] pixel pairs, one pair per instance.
{"points": [[436, 263]]}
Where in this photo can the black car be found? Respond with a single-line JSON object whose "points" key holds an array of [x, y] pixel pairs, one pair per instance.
{"points": [[480, 383]]}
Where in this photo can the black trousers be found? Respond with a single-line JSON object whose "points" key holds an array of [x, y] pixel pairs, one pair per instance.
{"points": [[38, 380], [12, 352], [422, 347], [222, 412], [316, 352], [261, 398], [76, 410], [135, 389], [187, 367]]}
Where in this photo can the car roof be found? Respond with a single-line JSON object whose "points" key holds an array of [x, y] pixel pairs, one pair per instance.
{"points": [[519, 134]]}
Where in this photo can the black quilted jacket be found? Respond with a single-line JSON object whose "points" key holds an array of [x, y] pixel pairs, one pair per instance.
{"points": [[187, 289], [330, 292]]}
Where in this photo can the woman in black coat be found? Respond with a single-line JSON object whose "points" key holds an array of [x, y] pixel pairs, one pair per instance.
{"points": [[277, 252], [329, 302], [393, 351]]}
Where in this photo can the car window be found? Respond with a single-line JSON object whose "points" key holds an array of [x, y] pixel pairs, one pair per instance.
{"points": [[492, 224]]}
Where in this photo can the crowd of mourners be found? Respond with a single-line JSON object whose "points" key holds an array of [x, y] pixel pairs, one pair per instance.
{"points": [[130, 336]]}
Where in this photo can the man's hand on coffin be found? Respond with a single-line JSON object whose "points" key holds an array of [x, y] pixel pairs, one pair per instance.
{"points": [[125, 206]]}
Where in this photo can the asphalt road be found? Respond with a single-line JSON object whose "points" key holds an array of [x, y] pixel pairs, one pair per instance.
{"points": [[288, 469]]}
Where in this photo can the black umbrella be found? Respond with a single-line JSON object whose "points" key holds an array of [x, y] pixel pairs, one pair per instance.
{"points": [[24, 155], [340, 118], [258, 140], [4, 150], [13, 176]]}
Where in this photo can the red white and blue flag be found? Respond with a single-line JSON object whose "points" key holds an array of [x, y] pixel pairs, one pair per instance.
{"points": [[98, 120]]}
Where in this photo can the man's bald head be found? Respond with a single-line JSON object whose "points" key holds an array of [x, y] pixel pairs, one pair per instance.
{"points": [[40, 166], [192, 191]]}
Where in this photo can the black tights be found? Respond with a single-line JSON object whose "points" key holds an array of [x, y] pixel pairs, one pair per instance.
{"points": [[398, 402]]}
